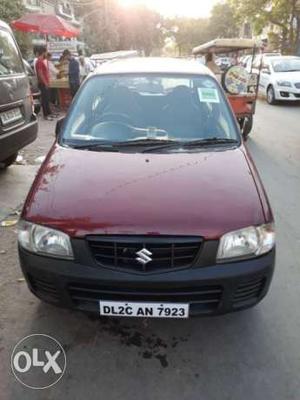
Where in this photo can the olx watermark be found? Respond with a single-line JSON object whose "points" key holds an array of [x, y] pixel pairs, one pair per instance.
{"points": [[38, 361]]}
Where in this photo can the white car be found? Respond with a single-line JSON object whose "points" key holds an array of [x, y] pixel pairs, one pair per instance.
{"points": [[280, 79]]}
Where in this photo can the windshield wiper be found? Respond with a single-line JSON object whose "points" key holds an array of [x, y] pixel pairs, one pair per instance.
{"points": [[146, 142], [105, 146], [193, 143], [209, 142]]}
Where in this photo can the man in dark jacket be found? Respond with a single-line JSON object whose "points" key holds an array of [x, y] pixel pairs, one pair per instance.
{"points": [[74, 72]]}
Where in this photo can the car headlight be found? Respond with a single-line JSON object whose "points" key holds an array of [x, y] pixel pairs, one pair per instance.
{"points": [[248, 242], [284, 83], [42, 240]]}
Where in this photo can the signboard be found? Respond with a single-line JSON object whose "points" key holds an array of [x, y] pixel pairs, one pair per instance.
{"points": [[59, 47], [236, 80]]}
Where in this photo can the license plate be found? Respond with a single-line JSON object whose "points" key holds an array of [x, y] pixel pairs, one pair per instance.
{"points": [[144, 310], [8, 117]]}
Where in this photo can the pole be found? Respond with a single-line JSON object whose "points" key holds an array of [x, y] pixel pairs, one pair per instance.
{"points": [[298, 33], [297, 7]]}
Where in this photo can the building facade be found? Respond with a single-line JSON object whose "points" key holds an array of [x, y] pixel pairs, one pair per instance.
{"points": [[62, 8]]}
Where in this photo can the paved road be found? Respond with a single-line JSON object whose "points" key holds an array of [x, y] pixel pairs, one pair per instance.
{"points": [[250, 355]]}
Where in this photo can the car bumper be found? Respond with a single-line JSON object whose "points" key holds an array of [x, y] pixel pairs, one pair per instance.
{"points": [[287, 94], [14, 140], [213, 290]]}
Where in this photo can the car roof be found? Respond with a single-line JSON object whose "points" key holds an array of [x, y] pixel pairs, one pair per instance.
{"points": [[278, 58], [148, 65], [4, 25]]}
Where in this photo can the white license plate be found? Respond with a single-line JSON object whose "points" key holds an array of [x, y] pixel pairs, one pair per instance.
{"points": [[144, 310], [8, 117]]}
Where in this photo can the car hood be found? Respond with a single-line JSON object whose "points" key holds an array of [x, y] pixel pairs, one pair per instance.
{"points": [[293, 77], [204, 193]]}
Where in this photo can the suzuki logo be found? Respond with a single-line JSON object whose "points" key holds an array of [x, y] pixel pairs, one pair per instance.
{"points": [[143, 256]]}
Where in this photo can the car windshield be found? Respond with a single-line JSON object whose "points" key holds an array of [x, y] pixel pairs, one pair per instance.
{"points": [[286, 65], [131, 108], [10, 61]]}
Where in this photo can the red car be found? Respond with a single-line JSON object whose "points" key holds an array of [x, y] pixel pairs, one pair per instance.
{"points": [[148, 203]]}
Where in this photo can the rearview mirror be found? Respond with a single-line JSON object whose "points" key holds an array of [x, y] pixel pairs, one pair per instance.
{"points": [[59, 125]]}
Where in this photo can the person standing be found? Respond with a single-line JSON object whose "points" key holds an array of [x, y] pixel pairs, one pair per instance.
{"points": [[74, 72], [210, 63], [43, 80], [53, 72]]}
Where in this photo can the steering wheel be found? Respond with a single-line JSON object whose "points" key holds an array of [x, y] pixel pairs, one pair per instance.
{"points": [[117, 118], [112, 130]]}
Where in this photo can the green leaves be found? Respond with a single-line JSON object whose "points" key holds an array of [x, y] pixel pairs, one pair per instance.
{"points": [[274, 17], [11, 9]]}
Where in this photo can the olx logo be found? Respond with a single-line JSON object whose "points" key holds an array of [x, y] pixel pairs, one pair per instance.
{"points": [[38, 361]]}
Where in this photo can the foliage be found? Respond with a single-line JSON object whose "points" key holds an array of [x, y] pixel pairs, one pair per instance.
{"points": [[279, 14], [11, 9], [109, 27], [190, 32], [187, 32], [223, 22]]}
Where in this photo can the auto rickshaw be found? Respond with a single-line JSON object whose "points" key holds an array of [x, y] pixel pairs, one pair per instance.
{"points": [[240, 85]]}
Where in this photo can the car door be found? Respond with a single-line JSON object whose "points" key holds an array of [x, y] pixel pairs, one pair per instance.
{"points": [[265, 76]]}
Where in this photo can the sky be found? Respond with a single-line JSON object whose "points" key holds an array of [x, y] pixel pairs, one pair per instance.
{"points": [[169, 8]]}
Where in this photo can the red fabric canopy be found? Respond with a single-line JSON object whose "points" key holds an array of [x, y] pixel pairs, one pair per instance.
{"points": [[46, 24]]}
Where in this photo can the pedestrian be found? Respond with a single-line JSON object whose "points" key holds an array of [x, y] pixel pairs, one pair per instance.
{"points": [[74, 72], [44, 80], [53, 72], [84, 65], [210, 63]]}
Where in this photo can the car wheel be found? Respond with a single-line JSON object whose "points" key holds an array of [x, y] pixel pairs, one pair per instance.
{"points": [[271, 95], [8, 161]]}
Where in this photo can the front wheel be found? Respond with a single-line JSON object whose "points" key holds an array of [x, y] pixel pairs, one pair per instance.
{"points": [[8, 161], [271, 95]]}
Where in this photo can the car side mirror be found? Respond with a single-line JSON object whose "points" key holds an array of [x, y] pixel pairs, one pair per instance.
{"points": [[266, 70], [59, 125]]}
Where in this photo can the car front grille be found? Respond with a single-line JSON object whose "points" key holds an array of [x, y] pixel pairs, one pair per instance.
{"points": [[167, 252], [204, 298], [249, 291]]}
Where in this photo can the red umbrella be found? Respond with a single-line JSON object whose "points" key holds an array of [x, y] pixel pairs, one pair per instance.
{"points": [[47, 24]]}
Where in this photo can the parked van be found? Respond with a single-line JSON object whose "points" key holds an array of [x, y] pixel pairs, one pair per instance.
{"points": [[18, 123]]}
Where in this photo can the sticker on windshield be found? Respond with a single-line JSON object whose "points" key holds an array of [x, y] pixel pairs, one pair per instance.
{"points": [[208, 95]]}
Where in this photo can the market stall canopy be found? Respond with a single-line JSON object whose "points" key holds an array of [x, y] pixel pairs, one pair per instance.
{"points": [[218, 46], [46, 24]]}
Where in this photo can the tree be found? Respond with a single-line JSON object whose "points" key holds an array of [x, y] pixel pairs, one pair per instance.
{"points": [[223, 22], [11, 9], [109, 27], [139, 29], [187, 32], [281, 14]]}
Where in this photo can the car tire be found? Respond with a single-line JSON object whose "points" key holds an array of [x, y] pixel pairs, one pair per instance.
{"points": [[271, 95], [8, 161]]}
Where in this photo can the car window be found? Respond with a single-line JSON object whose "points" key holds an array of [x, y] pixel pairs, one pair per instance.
{"points": [[257, 61], [286, 65], [127, 107], [10, 61]]}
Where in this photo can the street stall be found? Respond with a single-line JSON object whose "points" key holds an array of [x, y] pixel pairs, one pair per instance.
{"points": [[52, 25], [241, 86]]}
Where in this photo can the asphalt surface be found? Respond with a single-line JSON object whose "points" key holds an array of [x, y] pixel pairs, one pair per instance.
{"points": [[253, 354]]}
